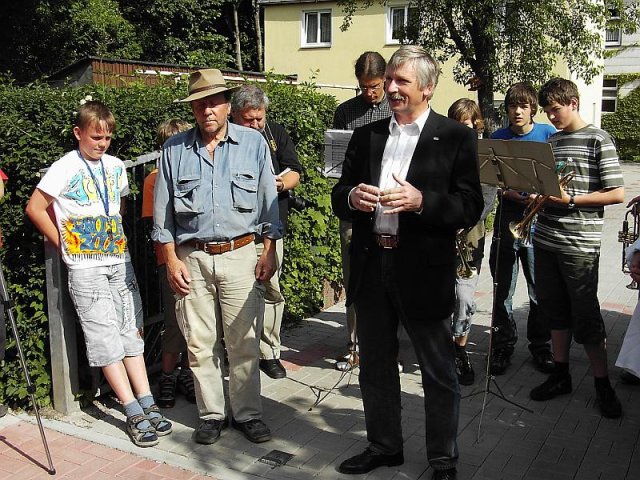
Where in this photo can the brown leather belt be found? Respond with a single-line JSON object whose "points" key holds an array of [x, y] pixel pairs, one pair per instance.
{"points": [[384, 240], [216, 248]]}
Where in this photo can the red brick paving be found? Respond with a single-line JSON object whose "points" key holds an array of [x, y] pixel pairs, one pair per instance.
{"points": [[22, 457]]}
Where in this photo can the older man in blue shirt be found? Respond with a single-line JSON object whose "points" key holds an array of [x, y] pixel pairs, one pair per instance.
{"points": [[215, 193]]}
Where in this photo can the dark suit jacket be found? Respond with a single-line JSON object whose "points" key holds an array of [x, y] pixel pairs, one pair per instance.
{"points": [[445, 168]]}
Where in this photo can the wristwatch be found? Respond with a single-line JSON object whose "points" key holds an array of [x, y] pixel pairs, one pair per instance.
{"points": [[572, 202]]}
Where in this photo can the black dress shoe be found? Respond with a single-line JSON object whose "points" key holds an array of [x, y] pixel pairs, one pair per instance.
{"points": [[369, 460], [273, 368], [449, 474]]}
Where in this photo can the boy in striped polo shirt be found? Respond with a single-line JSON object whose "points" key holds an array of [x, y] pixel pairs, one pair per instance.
{"points": [[567, 244]]}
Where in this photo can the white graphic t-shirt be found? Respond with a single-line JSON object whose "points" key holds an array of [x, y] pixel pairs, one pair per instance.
{"points": [[90, 236]]}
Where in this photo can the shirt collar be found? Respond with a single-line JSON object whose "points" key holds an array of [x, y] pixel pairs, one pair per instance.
{"points": [[195, 139], [394, 126]]}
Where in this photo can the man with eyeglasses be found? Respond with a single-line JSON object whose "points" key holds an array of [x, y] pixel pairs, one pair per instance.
{"points": [[371, 105]]}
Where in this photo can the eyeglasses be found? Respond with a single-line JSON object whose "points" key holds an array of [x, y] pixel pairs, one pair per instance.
{"points": [[371, 88]]}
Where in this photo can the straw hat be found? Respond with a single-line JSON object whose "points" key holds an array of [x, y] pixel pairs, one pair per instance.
{"points": [[203, 83]]}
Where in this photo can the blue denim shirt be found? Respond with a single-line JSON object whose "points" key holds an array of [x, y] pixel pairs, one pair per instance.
{"points": [[196, 197]]}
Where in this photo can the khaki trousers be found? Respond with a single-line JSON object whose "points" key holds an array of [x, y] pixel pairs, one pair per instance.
{"points": [[225, 300], [273, 308], [345, 247]]}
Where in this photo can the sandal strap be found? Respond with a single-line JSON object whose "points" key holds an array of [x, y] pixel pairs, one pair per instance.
{"points": [[138, 430], [156, 418]]}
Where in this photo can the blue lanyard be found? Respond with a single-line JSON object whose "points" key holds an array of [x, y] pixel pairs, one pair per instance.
{"points": [[104, 198]]}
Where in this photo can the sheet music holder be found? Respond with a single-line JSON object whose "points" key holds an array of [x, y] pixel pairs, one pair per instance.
{"points": [[335, 147], [522, 166], [518, 165]]}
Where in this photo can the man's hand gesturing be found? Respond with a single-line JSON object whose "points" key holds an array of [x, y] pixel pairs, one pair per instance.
{"points": [[405, 198], [364, 197]]}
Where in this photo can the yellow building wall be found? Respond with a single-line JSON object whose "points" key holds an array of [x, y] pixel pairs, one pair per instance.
{"points": [[332, 67]]}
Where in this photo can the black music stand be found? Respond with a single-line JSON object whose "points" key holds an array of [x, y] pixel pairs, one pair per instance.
{"points": [[517, 165]]}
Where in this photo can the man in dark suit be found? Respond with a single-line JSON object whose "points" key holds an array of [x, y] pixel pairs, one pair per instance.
{"points": [[408, 184]]}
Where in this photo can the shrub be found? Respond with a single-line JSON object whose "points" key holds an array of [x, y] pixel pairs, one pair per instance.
{"points": [[36, 123]]}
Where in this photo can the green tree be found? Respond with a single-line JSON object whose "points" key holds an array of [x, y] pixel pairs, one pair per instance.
{"points": [[180, 31], [498, 42], [41, 36]]}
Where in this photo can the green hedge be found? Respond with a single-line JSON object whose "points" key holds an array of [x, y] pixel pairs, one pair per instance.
{"points": [[36, 123], [624, 124]]}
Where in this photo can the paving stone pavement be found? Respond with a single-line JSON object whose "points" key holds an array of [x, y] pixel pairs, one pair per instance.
{"points": [[315, 414]]}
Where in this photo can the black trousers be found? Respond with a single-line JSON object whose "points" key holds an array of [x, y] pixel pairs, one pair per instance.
{"points": [[379, 308]]}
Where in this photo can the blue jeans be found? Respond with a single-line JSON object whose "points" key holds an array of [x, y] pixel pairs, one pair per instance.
{"points": [[513, 253], [382, 308]]}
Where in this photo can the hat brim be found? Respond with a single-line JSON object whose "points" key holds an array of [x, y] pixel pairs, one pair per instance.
{"points": [[206, 93]]}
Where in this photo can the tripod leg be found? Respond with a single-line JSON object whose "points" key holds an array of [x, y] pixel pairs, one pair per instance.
{"points": [[502, 396], [489, 376], [484, 406], [6, 305]]}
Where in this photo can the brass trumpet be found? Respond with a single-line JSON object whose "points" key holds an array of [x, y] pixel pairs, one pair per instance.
{"points": [[522, 229], [627, 237], [465, 256]]}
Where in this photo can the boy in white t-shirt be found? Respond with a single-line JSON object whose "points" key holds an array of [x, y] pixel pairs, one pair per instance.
{"points": [[86, 187]]}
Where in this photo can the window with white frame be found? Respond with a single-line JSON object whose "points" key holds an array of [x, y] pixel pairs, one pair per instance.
{"points": [[613, 33], [609, 95], [401, 22], [316, 28]]}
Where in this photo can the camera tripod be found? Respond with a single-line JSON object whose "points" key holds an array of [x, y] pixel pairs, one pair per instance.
{"points": [[7, 306]]}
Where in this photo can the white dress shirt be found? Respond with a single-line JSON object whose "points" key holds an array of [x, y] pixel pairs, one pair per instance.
{"points": [[396, 158]]}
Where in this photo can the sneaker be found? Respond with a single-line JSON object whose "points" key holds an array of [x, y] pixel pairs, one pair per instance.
{"points": [[209, 431], [161, 425], [348, 362], [556, 384], [141, 431], [186, 385], [400, 366], [500, 360], [3, 410], [464, 369], [608, 403], [255, 430], [167, 391], [543, 360]]}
